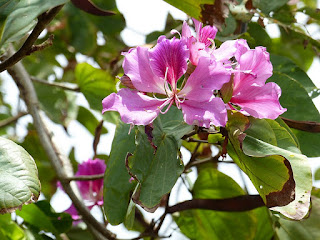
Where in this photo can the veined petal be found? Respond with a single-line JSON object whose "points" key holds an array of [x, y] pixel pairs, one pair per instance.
{"points": [[134, 107], [207, 33], [205, 113], [169, 58], [231, 48], [186, 32], [136, 66], [260, 102], [257, 63], [208, 76]]}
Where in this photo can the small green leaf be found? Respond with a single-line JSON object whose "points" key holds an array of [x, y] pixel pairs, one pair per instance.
{"points": [[94, 83], [18, 17], [117, 188], [19, 177], [9, 229], [317, 174], [208, 224], [267, 6], [89, 121]]}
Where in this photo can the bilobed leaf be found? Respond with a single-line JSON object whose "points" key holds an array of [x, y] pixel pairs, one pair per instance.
{"points": [[208, 224], [89, 121], [94, 83], [19, 177], [18, 17], [117, 188], [155, 161], [258, 146], [40, 215]]}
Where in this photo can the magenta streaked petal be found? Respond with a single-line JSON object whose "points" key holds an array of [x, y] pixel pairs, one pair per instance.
{"points": [[208, 76], [196, 50], [169, 56], [260, 102], [207, 33], [136, 66], [74, 214], [257, 63], [186, 32], [134, 107], [205, 113]]}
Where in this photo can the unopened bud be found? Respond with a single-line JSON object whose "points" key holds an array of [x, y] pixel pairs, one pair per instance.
{"points": [[126, 81]]}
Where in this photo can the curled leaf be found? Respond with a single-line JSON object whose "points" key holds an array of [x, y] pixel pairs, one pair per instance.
{"points": [[90, 7]]}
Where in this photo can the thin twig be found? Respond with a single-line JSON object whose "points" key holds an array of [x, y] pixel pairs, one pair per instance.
{"points": [[55, 84], [43, 20], [85, 177], [236, 204], [40, 47], [60, 163], [196, 140], [11, 120]]}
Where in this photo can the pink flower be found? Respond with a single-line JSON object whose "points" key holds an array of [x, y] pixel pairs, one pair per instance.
{"points": [[91, 191], [157, 71], [199, 45], [250, 92]]}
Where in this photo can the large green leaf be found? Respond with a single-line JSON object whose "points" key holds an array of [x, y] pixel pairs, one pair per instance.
{"points": [[19, 177], [271, 175], [257, 144], [190, 7], [89, 121], [41, 216], [155, 161], [208, 224], [117, 187], [18, 17], [94, 83]]}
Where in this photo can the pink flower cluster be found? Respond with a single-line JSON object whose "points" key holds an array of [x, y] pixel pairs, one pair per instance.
{"points": [[162, 76]]}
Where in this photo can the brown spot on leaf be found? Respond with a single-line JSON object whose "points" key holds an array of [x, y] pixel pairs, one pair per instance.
{"points": [[215, 14], [286, 195]]}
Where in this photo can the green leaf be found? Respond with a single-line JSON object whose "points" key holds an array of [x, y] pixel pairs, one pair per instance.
{"points": [[259, 36], [9, 229], [208, 224], [94, 83], [47, 177], [256, 144], [267, 6], [41, 216], [190, 7], [117, 188], [317, 174], [155, 161], [89, 121], [306, 229], [13, 26], [19, 177]]}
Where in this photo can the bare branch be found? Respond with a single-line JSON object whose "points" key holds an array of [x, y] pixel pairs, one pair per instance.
{"points": [[60, 163], [54, 84], [43, 20], [13, 119], [85, 177], [236, 204], [40, 47]]}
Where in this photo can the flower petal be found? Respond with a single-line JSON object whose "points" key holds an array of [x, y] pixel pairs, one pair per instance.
{"points": [[260, 102], [231, 48], [208, 76], [169, 57], [136, 66], [205, 113], [257, 61], [134, 107], [186, 32]]}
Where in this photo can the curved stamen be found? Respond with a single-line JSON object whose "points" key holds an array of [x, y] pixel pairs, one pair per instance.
{"points": [[178, 101], [170, 104]]}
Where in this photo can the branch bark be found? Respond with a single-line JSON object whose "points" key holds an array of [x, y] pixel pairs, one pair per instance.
{"points": [[236, 204], [54, 84], [60, 163], [13, 119], [43, 21]]}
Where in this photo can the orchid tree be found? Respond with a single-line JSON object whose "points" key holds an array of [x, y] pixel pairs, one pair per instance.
{"points": [[205, 100]]}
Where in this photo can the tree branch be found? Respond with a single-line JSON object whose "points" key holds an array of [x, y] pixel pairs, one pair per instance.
{"points": [[60, 163], [236, 204], [54, 84], [85, 177], [43, 20], [13, 119], [306, 126]]}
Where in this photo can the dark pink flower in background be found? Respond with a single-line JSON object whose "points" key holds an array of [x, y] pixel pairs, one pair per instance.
{"points": [[91, 191]]}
